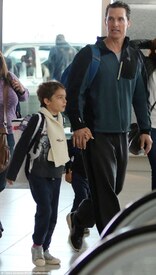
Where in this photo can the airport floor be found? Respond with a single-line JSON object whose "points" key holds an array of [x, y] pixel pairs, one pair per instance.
{"points": [[17, 210]]}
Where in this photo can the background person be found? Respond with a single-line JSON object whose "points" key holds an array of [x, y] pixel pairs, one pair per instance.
{"points": [[151, 69], [76, 175], [60, 56], [150, 64], [101, 117], [27, 66]]}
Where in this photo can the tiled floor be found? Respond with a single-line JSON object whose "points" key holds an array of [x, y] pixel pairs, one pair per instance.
{"points": [[17, 214]]}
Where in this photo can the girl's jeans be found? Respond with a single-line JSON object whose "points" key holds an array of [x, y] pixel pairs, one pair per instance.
{"points": [[45, 192]]}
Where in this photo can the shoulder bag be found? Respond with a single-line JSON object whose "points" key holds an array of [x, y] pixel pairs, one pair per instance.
{"points": [[4, 148], [134, 137]]}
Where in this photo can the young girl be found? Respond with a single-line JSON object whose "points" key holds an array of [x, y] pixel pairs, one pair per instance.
{"points": [[47, 165]]}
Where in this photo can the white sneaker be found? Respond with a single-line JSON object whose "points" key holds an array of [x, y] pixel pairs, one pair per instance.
{"points": [[37, 256], [49, 259]]}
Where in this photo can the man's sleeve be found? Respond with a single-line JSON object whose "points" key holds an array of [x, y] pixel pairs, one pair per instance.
{"points": [[76, 88], [141, 44], [141, 104]]}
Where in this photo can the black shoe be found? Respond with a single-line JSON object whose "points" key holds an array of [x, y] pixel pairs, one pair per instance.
{"points": [[76, 233]]}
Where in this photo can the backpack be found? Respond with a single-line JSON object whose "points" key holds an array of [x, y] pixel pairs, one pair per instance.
{"points": [[94, 65], [19, 125]]}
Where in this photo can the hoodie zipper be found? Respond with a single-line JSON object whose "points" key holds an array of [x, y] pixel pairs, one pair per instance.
{"points": [[120, 68]]}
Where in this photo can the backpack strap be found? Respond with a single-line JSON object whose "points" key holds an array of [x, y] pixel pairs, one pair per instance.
{"points": [[152, 107], [34, 141], [37, 133], [96, 58], [93, 67]]}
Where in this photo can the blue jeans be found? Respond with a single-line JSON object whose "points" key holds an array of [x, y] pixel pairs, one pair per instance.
{"points": [[45, 192], [152, 159], [81, 189], [11, 143]]}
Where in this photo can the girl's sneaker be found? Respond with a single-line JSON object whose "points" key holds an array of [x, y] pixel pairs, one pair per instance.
{"points": [[37, 255], [49, 259]]}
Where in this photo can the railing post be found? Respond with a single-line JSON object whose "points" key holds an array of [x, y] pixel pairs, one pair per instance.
{"points": [[1, 23]]}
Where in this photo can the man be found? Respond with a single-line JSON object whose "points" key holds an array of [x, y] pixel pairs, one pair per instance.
{"points": [[101, 116], [60, 57]]}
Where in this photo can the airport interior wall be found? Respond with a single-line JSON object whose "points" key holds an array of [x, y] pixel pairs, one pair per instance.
{"points": [[143, 17]]}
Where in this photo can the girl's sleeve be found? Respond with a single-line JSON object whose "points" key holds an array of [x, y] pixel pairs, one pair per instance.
{"points": [[21, 96]]}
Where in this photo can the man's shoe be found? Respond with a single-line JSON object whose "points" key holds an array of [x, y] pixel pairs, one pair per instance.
{"points": [[49, 259], [69, 222], [76, 233], [37, 255]]}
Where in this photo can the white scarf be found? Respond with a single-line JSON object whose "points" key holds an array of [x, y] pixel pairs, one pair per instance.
{"points": [[58, 152]]}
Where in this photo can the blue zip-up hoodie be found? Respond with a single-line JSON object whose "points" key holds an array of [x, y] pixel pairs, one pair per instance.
{"points": [[106, 106]]}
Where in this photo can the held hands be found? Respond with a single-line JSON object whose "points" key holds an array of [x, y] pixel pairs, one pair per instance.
{"points": [[146, 143], [81, 137]]}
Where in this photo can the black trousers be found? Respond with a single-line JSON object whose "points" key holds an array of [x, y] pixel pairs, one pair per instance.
{"points": [[105, 159]]}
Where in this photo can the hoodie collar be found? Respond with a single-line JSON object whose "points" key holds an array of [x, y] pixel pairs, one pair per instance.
{"points": [[102, 46]]}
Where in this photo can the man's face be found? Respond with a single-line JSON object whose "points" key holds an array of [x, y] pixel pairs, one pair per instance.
{"points": [[116, 23]]}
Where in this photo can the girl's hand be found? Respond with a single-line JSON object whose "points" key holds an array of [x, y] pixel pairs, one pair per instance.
{"points": [[17, 86]]}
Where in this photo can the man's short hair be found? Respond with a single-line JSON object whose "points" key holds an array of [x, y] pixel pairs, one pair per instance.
{"points": [[119, 4]]}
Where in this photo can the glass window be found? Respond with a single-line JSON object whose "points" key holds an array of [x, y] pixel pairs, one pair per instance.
{"points": [[41, 21], [30, 29]]}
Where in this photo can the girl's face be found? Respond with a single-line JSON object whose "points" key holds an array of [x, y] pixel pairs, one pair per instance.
{"points": [[57, 102]]}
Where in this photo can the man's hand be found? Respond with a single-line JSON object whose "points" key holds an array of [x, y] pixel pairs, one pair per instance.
{"points": [[81, 137], [146, 143]]}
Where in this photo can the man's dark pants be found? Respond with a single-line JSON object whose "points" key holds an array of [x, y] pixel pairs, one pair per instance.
{"points": [[105, 160]]}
